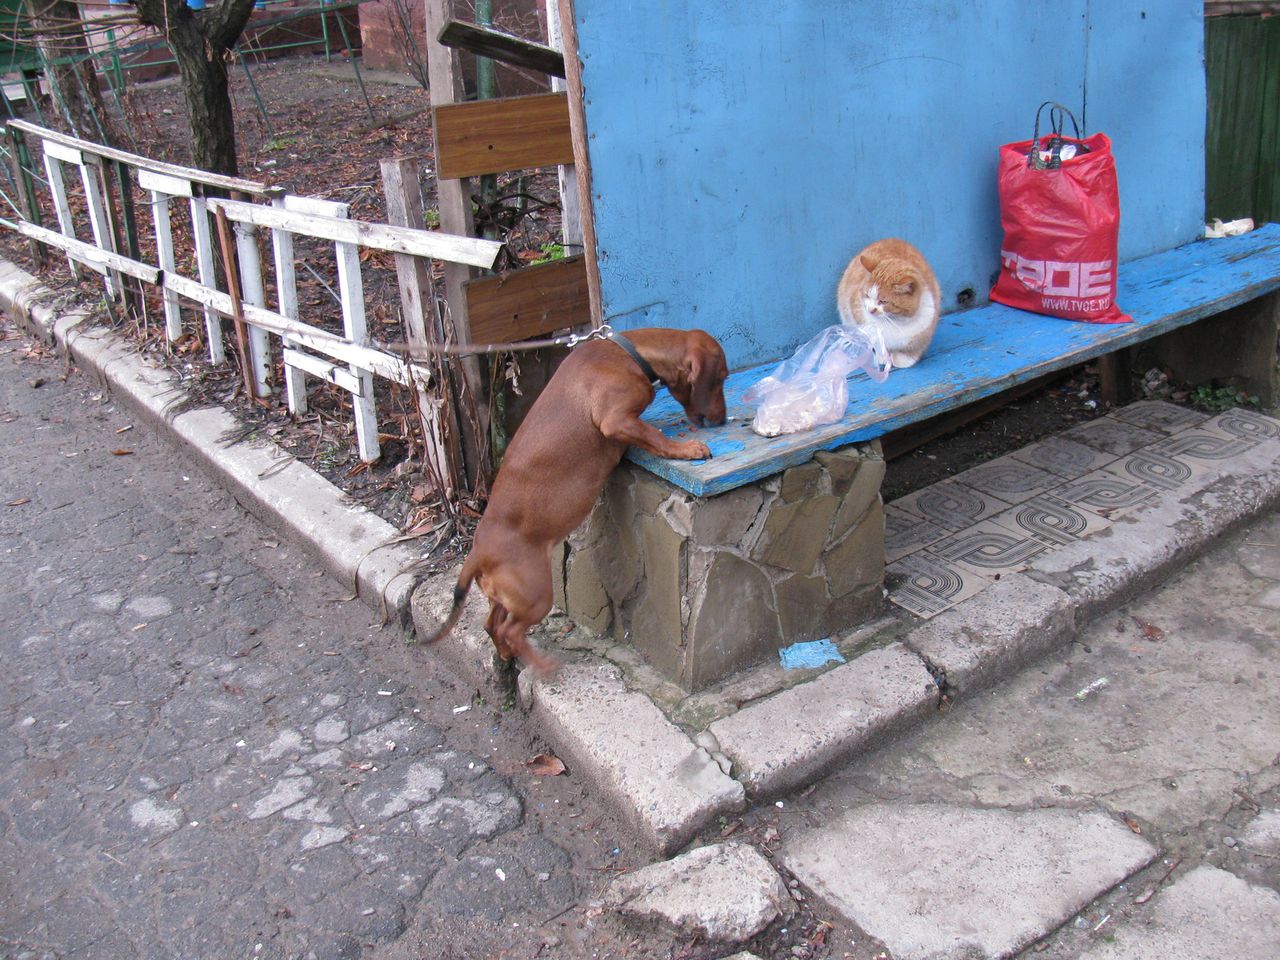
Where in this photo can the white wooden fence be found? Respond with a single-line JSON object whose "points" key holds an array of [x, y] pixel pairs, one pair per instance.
{"points": [[348, 360]]}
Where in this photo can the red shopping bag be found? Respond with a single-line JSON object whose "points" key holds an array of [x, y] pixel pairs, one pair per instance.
{"points": [[1060, 209]]}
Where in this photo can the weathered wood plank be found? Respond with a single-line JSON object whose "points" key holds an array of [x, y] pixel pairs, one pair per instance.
{"points": [[453, 198], [525, 303], [503, 47], [87, 253], [978, 353], [582, 156], [142, 163], [313, 338], [381, 236], [494, 136]]}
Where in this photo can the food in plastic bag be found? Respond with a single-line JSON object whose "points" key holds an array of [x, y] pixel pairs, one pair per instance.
{"points": [[811, 388]]}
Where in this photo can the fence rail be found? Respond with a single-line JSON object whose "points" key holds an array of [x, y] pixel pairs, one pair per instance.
{"points": [[348, 360]]}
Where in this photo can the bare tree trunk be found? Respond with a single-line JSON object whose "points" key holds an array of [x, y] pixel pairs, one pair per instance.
{"points": [[76, 94], [206, 90], [201, 42]]}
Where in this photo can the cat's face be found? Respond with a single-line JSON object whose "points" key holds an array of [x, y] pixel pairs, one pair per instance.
{"points": [[892, 288]]}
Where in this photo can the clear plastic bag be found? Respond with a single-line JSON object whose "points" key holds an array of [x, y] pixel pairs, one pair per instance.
{"points": [[811, 388]]}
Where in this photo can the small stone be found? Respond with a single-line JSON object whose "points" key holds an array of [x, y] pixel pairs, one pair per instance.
{"points": [[725, 892], [1229, 841]]}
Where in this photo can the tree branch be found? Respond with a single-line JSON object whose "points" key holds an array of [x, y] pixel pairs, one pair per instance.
{"points": [[224, 23]]}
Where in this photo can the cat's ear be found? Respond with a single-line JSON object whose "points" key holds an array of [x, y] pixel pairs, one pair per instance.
{"points": [[868, 262], [906, 288]]}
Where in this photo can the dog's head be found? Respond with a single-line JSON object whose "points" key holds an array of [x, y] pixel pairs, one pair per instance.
{"points": [[699, 387]]}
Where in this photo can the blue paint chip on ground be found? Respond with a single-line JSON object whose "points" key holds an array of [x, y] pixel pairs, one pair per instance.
{"points": [[810, 653]]}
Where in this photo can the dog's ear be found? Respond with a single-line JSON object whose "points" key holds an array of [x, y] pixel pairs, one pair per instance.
{"points": [[699, 372], [705, 375]]}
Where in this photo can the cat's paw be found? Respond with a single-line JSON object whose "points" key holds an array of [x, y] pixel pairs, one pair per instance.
{"points": [[903, 359]]}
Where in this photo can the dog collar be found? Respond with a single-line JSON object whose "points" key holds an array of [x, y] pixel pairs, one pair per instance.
{"points": [[630, 347]]}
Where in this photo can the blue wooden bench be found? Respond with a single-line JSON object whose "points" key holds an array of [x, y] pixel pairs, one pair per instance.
{"points": [[976, 354]]}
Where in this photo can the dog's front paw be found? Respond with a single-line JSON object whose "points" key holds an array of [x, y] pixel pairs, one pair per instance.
{"points": [[691, 450]]}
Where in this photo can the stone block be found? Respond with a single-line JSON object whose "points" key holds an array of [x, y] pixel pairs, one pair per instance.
{"points": [[733, 623], [795, 533], [706, 586], [858, 559], [797, 597], [664, 786], [802, 482], [585, 595], [861, 491]]}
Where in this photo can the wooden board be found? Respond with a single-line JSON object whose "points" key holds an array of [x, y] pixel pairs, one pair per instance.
{"points": [[494, 136], [975, 354], [503, 47], [529, 302]]}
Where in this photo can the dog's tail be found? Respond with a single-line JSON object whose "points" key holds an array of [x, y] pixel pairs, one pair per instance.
{"points": [[459, 597]]}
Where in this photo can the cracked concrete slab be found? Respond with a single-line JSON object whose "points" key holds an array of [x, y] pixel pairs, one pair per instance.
{"points": [[935, 881], [1209, 914]]}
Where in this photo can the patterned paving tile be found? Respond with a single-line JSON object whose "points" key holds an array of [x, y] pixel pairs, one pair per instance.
{"points": [[905, 533], [1051, 521], [987, 549], [926, 586], [1160, 416], [1208, 447], [1112, 436], [1008, 479], [1163, 471], [952, 505], [1244, 424], [1106, 493], [1069, 459]]}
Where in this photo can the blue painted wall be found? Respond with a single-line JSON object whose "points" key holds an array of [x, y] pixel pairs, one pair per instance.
{"points": [[741, 153]]}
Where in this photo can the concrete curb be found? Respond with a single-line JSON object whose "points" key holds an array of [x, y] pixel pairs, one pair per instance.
{"points": [[353, 544], [666, 786]]}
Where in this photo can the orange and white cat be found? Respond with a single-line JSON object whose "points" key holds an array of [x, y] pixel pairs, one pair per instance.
{"points": [[890, 287]]}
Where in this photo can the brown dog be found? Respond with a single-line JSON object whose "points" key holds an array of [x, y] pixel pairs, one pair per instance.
{"points": [[560, 458]]}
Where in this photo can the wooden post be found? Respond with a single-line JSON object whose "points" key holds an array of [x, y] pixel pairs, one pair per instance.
{"points": [[208, 276], [438, 414], [581, 155], [1113, 377], [237, 302], [454, 200], [252, 291], [26, 189], [92, 177], [570, 203], [58, 188], [163, 189]]}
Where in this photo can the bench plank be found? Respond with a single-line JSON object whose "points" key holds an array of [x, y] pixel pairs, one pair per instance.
{"points": [[977, 353]]}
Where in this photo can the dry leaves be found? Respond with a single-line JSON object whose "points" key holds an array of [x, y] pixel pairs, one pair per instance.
{"points": [[1149, 630], [545, 765]]}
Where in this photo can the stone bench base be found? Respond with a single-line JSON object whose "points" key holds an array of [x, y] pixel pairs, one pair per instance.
{"points": [[705, 586]]}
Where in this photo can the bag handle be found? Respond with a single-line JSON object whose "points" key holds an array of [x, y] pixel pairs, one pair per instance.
{"points": [[1057, 120]]}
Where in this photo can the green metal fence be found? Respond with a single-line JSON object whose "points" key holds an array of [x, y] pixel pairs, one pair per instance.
{"points": [[1242, 62]]}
